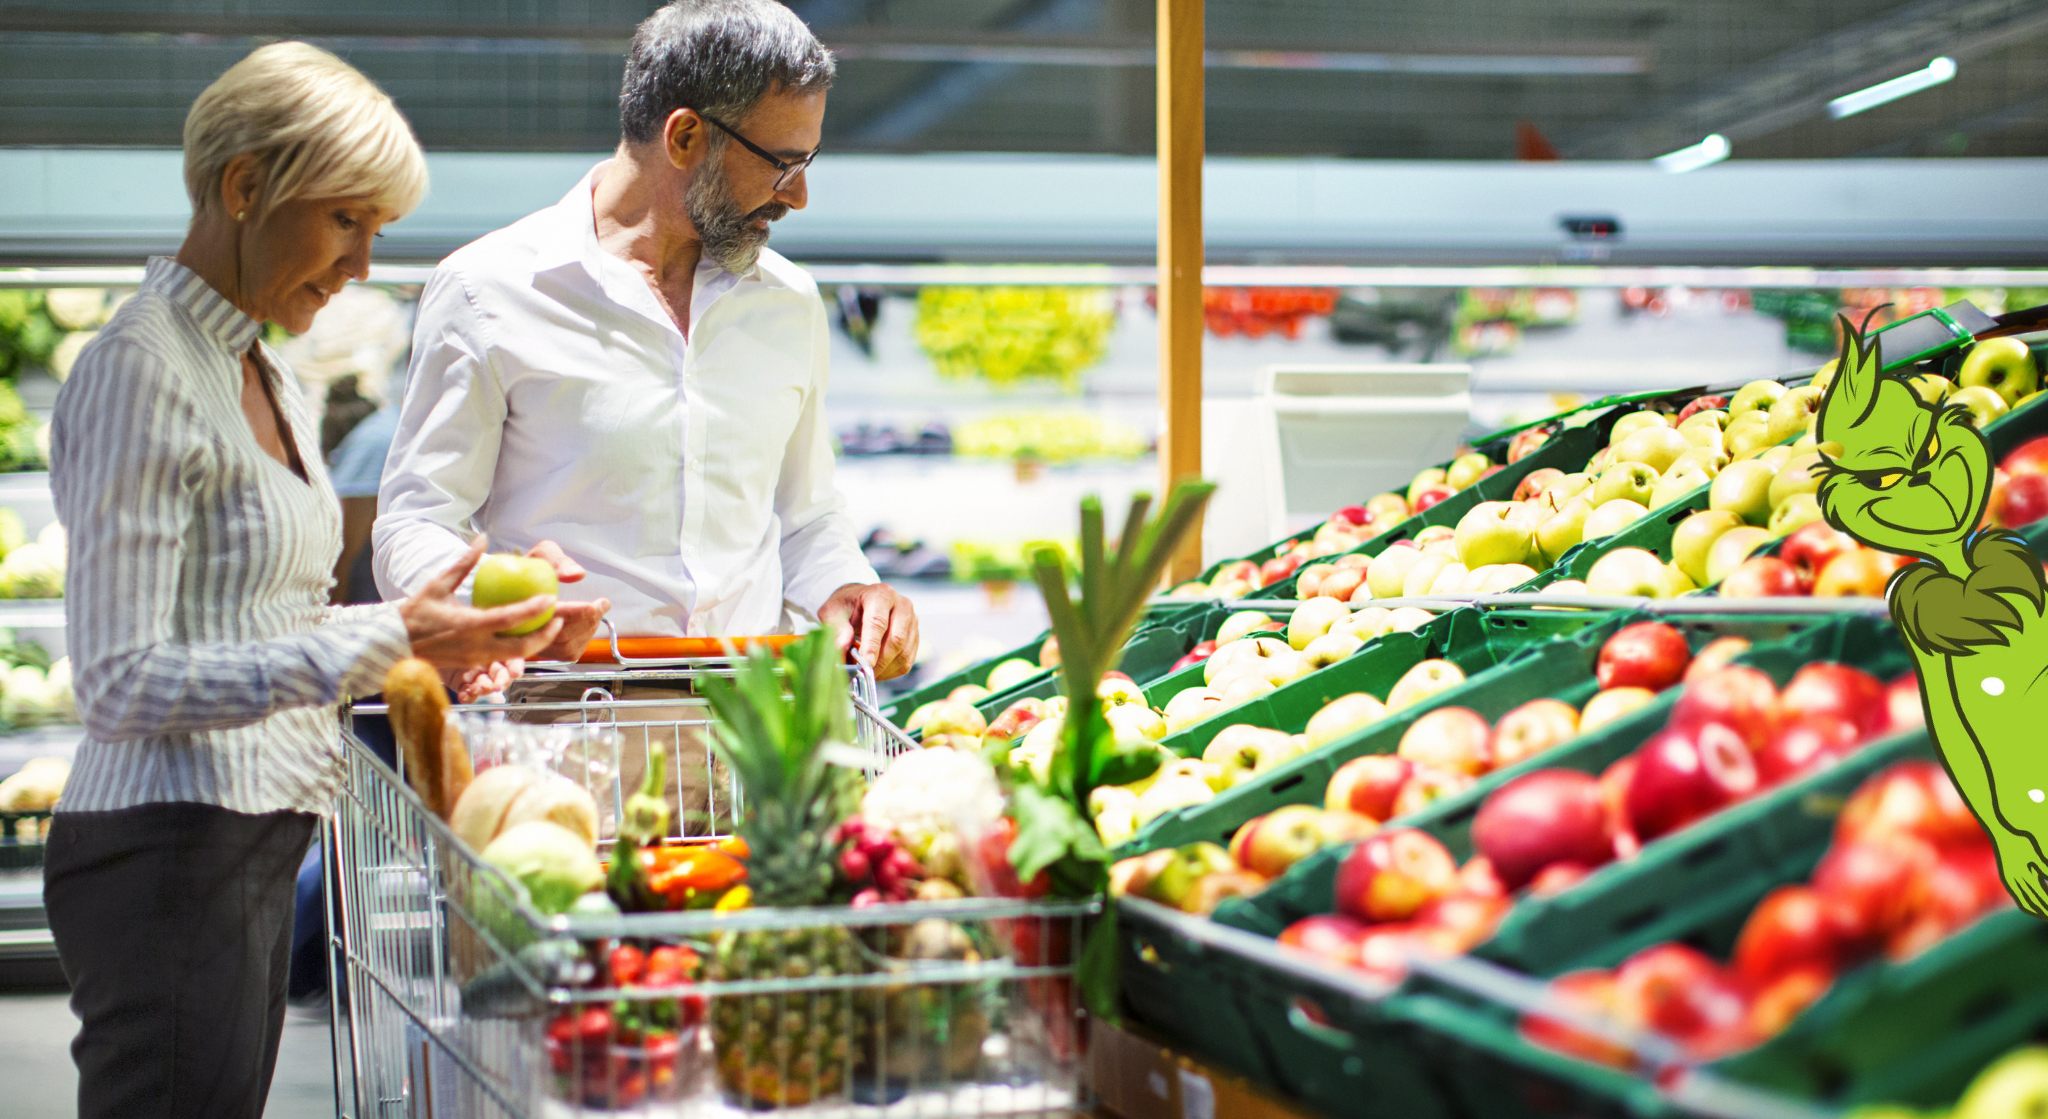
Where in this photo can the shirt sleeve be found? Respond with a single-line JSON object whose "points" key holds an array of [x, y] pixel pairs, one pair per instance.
{"points": [[820, 549], [133, 470], [445, 452]]}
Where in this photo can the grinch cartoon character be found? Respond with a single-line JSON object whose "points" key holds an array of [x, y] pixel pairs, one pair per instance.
{"points": [[1911, 477]]}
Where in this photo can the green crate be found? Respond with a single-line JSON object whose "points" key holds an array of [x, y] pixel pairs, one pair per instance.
{"points": [[1784, 643]]}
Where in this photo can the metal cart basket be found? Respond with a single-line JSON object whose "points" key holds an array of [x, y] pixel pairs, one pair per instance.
{"points": [[454, 997]]}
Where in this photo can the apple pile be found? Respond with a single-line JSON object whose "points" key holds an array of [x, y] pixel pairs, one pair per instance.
{"points": [[1994, 378], [2014, 1084], [1251, 658], [1908, 866]]}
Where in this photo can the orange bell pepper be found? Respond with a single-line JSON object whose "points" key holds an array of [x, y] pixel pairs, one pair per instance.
{"points": [[681, 873]]}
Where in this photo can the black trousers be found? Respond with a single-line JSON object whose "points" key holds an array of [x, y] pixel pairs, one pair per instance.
{"points": [[173, 924]]}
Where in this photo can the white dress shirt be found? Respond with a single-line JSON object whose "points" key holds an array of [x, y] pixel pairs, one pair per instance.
{"points": [[208, 661], [551, 397]]}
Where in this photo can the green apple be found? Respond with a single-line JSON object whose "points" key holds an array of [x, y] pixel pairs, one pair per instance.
{"points": [[1244, 687], [1342, 716], [1407, 619], [1633, 422], [1330, 648], [1135, 722], [1389, 570], [1494, 532], [1119, 691], [1423, 574], [1745, 490], [1434, 476], [1466, 469], [1748, 437], [1709, 436], [921, 716], [2003, 365], [1624, 481], [1564, 586], [1792, 413], [1756, 396], [1421, 682], [1309, 578], [1176, 881], [1732, 548], [1695, 536], [1387, 508], [1367, 624], [1629, 573], [956, 716], [1654, 447], [1676, 582], [1798, 475], [1011, 673], [1610, 517], [1710, 460], [1678, 485], [1561, 531], [1313, 618], [1568, 487], [1716, 418], [1794, 513], [2014, 1085], [1984, 405], [1239, 624], [1450, 580], [1435, 534], [1502, 577], [1931, 388], [1245, 751], [503, 579], [1186, 708], [1824, 376]]}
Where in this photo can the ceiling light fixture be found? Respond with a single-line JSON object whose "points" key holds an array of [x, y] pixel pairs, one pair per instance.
{"points": [[1713, 149], [1929, 76]]}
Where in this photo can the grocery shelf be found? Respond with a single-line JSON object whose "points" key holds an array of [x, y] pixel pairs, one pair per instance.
{"points": [[31, 485], [32, 613]]}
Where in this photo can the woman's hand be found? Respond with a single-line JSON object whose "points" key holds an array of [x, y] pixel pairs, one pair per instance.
{"points": [[451, 635]]}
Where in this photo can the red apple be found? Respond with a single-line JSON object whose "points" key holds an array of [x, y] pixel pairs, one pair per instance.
{"points": [[1524, 443], [1185, 662], [1811, 743], [1530, 729], [2030, 457], [1535, 481], [1478, 879], [1426, 786], [1331, 937], [1913, 798], [1882, 881], [1699, 404], [1391, 875], [1384, 950], [1353, 514], [1614, 782], [1902, 704], [1430, 496], [1718, 653], [1644, 655], [1737, 696], [1449, 738], [1269, 844], [1368, 785], [1341, 584], [1763, 577], [2020, 501], [1549, 816], [1774, 1006], [1812, 546], [1793, 927], [1827, 689], [1278, 568], [1862, 573], [1684, 774], [1679, 992], [1557, 878], [1590, 992], [1458, 922]]}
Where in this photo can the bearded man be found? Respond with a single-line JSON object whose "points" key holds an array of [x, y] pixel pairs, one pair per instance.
{"points": [[631, 378]]}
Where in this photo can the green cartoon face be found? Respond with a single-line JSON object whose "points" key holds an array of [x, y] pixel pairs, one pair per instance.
{"points": [[1903, 476]]}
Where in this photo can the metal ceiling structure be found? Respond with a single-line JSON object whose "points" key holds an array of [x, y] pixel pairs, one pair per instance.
{"points": [[1371, 79]]}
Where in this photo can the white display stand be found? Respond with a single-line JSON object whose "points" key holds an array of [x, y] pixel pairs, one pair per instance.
{"points": [[1316, 437]]}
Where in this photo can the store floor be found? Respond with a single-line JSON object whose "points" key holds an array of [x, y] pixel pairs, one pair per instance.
{"points": [[35, 1062]]}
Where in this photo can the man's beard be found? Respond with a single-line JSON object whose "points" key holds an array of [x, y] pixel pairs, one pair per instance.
{"points": [[728, 236]]}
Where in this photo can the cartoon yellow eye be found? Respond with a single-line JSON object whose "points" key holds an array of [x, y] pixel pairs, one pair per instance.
{"points": [[1888, 479]]}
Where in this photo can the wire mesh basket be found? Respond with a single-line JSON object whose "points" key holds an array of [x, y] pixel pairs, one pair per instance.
{"points": [[456, 998]]}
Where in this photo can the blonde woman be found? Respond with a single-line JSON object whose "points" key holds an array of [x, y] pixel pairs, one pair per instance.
{"points": [[203, 534]]}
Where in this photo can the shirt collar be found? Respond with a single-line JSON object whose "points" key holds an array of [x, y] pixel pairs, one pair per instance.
{"points": [[220, 319], [574, 239]]}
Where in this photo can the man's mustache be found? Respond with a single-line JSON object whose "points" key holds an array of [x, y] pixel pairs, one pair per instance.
{"points": [[773, 211]]}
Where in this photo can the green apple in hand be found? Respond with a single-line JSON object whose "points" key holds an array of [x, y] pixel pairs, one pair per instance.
{"points": [[504, 579]]}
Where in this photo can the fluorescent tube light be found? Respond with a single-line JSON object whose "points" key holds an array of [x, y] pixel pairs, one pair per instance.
{"points": [[1933, 74], [1713, 149]]}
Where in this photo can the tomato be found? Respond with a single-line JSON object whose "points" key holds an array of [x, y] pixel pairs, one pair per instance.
{"points": [[626, 964]]}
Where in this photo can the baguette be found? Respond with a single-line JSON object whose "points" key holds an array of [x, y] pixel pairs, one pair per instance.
{"points": [[419, 720]]}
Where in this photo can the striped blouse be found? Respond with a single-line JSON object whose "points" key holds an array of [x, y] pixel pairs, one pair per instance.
{"points": [[207, 662]]}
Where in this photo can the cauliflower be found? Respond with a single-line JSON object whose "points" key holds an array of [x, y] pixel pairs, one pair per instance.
{"points": [[76, 308], [932, 799], [33, 570], [67, 352]]}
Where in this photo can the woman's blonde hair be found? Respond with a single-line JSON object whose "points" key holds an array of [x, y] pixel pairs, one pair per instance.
{"points": [[317, 127]]}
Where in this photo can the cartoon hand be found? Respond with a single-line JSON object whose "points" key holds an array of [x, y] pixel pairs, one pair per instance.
{"points": [[2021, 865]]}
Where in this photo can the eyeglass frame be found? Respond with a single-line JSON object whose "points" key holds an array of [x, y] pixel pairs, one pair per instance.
{"points": [[789, 168]]}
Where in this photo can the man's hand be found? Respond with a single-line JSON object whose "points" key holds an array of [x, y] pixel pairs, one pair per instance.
{"points": [[884, 622]]}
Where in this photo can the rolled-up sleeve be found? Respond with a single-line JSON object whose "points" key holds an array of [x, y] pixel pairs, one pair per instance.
{"points": [[131, 468], [445, 452], [820, 549]]}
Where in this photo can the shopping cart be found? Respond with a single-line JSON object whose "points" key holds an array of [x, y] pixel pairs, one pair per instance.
{"points": [[455, 998]]}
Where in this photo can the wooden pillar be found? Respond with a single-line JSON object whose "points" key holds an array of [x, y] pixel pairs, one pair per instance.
{"points": [[1180, 259]]}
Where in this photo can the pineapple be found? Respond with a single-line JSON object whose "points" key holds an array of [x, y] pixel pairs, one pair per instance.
{"points": [[786, 1049]]}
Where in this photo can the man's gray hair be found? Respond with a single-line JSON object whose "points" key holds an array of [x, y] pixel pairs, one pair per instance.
{"points": [[719, 57]]}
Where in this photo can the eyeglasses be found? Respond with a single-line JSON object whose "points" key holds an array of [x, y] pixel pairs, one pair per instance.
{"points": [[790, 168]]}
